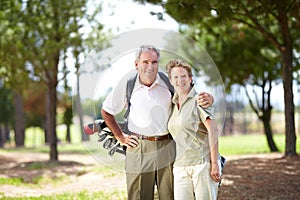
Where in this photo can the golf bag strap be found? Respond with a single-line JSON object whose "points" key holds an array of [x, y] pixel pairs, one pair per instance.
{"points": [[130, 86]]}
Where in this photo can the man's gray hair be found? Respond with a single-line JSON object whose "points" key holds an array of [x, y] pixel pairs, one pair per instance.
{"points": [[145, 48]]}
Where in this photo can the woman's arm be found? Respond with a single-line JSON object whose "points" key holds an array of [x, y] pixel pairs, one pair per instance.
{"points": [[213, 140]]}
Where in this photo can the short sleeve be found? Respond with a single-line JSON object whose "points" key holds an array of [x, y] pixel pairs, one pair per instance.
{"points": [[205, 112], [116, 102]]}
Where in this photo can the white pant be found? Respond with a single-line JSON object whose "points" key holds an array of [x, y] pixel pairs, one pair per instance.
{"points": [[194, 182]]}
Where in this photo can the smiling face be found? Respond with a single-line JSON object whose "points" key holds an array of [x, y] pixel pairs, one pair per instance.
{"points": [[147, 66], [181, 80], [180, 75]]}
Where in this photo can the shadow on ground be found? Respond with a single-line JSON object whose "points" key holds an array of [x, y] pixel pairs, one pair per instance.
{"points": [[266, 176], [30, 172], [260, 176]]}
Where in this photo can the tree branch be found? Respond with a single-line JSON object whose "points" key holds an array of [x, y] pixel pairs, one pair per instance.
{"points": [[257, 26], [250, 101]]}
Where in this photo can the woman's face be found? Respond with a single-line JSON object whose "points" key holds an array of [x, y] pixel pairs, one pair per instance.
{"points": [[181, 80]]}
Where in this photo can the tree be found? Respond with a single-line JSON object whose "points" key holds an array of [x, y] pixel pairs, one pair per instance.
{"points": [[34, 104], [243, 58], [67, 103], [52, 27], [6, 117], [12, 60], [255, 67], [34, 38], [277, 21], [94, 40]]}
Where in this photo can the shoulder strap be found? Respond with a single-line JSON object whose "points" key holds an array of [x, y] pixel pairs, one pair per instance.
{"points": [[129, 89], [131, 83], [164, 77]]}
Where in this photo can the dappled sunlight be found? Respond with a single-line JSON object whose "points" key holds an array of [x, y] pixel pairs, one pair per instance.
{"points": [[260, 176], [251, 176], [27, 175]]}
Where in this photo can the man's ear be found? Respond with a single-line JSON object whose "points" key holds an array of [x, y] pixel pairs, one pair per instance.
{"points": [[136, 64]]}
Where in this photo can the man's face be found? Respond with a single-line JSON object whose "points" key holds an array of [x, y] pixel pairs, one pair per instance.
{"points": [[147, 67]]}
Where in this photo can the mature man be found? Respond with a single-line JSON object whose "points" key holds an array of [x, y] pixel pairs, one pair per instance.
{"points": [[150, 148]]}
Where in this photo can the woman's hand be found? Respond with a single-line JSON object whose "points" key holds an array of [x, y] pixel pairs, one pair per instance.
{"points": [[215, 172]]}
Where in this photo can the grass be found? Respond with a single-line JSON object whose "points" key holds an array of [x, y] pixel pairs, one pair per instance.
{"points": [[11, 181], [248, 144], [229, 145], [82, 195], [35, 136], [35, 141]]}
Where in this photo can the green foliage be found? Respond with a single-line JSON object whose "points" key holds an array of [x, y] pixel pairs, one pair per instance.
{"points": [[12, 58], [68, 115], [243, 37], [6, 105], [36, 36], [253, 43]]}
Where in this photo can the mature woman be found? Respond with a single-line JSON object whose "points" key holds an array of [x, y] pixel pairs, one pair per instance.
{"points": [[197, 169]]}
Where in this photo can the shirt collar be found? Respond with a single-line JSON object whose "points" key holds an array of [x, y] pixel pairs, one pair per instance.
{"points": [[191, 94], [157, 81]]}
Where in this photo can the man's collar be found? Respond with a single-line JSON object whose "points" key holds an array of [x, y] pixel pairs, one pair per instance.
{"points": [[157, 80]]}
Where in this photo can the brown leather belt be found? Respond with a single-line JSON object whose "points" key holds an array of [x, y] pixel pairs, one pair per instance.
{"points": [[152, 138]]}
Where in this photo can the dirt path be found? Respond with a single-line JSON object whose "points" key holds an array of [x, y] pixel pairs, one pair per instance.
{"points": [[74, 173], [261, 176]]}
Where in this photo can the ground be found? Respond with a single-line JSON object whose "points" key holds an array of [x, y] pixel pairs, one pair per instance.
{"points": [[259, 176]]}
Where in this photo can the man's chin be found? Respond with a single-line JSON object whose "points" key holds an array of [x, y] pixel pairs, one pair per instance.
{"points": [[150, 77]]}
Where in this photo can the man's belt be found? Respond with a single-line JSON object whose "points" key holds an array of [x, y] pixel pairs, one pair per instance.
{"points": [[152, 138]]}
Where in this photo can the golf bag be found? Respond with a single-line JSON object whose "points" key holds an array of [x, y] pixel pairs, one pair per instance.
{"points": [[105, 135]]}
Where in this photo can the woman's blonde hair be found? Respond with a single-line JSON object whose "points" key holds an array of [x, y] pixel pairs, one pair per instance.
{"points": [[178, 63]]}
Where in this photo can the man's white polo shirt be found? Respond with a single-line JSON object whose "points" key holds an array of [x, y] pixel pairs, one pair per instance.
{"points": [[150, 106]]}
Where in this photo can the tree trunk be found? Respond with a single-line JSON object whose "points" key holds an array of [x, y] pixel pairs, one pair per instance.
{"points": [[51, 107], [290, 132], [269, 135], [51, 122], [45, 121], [287, 66], [84, 137], [68, 135], [7, 132], [19, 121], [4, 134], [2, 137]]}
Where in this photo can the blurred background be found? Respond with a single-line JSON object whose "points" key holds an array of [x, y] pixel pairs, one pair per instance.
{"points": [[44, 44]]}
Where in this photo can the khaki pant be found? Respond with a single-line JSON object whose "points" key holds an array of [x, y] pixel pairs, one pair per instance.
{"points": [[147, 165]]}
